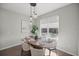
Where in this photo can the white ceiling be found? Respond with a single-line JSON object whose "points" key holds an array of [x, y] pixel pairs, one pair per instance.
{"points": [[24, 8]]}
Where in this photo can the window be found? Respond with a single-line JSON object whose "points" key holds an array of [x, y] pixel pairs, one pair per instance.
{"points": [[53, 30], [49, 26], [44, 30]]}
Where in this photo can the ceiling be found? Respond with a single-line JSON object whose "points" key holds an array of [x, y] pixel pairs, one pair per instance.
{"points": [[24, 8]]}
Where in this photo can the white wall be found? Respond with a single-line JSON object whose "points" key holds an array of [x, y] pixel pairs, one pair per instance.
{"points": [[68, 28], [10, 28], [78, 31]]}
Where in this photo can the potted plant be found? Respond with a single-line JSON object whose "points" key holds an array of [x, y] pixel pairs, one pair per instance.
{"points": [[34, 31]]}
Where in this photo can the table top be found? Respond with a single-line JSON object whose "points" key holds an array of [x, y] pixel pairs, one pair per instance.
{"points": [[38, 43], [35, 43]]}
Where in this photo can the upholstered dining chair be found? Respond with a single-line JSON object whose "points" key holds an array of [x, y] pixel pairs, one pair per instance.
{"points": [[36, 52], [25, 48]]}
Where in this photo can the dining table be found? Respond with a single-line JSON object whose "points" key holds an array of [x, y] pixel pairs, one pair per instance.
{"points": [[40, 44], [34, 43]]}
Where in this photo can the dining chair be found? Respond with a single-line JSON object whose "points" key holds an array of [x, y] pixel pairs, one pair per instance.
{"points": [[25, 48], [36, 52], [51, 46]]}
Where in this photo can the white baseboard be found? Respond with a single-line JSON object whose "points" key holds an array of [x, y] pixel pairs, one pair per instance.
{"points": [[10, 46], [66, 51], [78, 51]]}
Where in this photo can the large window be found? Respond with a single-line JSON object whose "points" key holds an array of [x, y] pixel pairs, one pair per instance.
{"points": [[49, 26], [49, 30]]}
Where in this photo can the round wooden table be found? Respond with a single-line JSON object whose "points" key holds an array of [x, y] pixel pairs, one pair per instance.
{"points": [[35, 44], [38, 44]]}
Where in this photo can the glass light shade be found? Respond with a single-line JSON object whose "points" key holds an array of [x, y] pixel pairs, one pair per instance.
{"points": [[30, 23], [31, 20], [30, 17], [35, 16]]}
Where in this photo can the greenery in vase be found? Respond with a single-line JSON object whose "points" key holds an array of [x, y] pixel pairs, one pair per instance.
{"points": [[34, 30]]}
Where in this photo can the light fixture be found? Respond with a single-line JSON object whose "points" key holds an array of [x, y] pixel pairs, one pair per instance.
{"points": [[30, 20], [33, 13]]}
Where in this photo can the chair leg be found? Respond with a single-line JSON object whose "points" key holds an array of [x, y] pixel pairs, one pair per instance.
{"points": [[21, 52], [56, 51], [43, 51], [49, 52]]}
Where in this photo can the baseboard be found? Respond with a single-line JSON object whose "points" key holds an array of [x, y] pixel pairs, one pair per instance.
{"points": [[78, 51], [10, 46], [66, 51]]}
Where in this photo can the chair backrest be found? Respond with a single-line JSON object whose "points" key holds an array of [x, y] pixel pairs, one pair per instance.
{"points": [[51, 45], [25, 45], [37, 52]]}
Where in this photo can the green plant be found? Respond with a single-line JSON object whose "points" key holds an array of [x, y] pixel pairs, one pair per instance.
{"points": [[34, 30]]}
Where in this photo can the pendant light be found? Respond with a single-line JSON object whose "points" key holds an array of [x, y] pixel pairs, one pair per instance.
{"points": [[33, 13]]}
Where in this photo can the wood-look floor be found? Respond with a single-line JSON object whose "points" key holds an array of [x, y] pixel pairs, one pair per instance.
{"points": [[17, 51]]}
